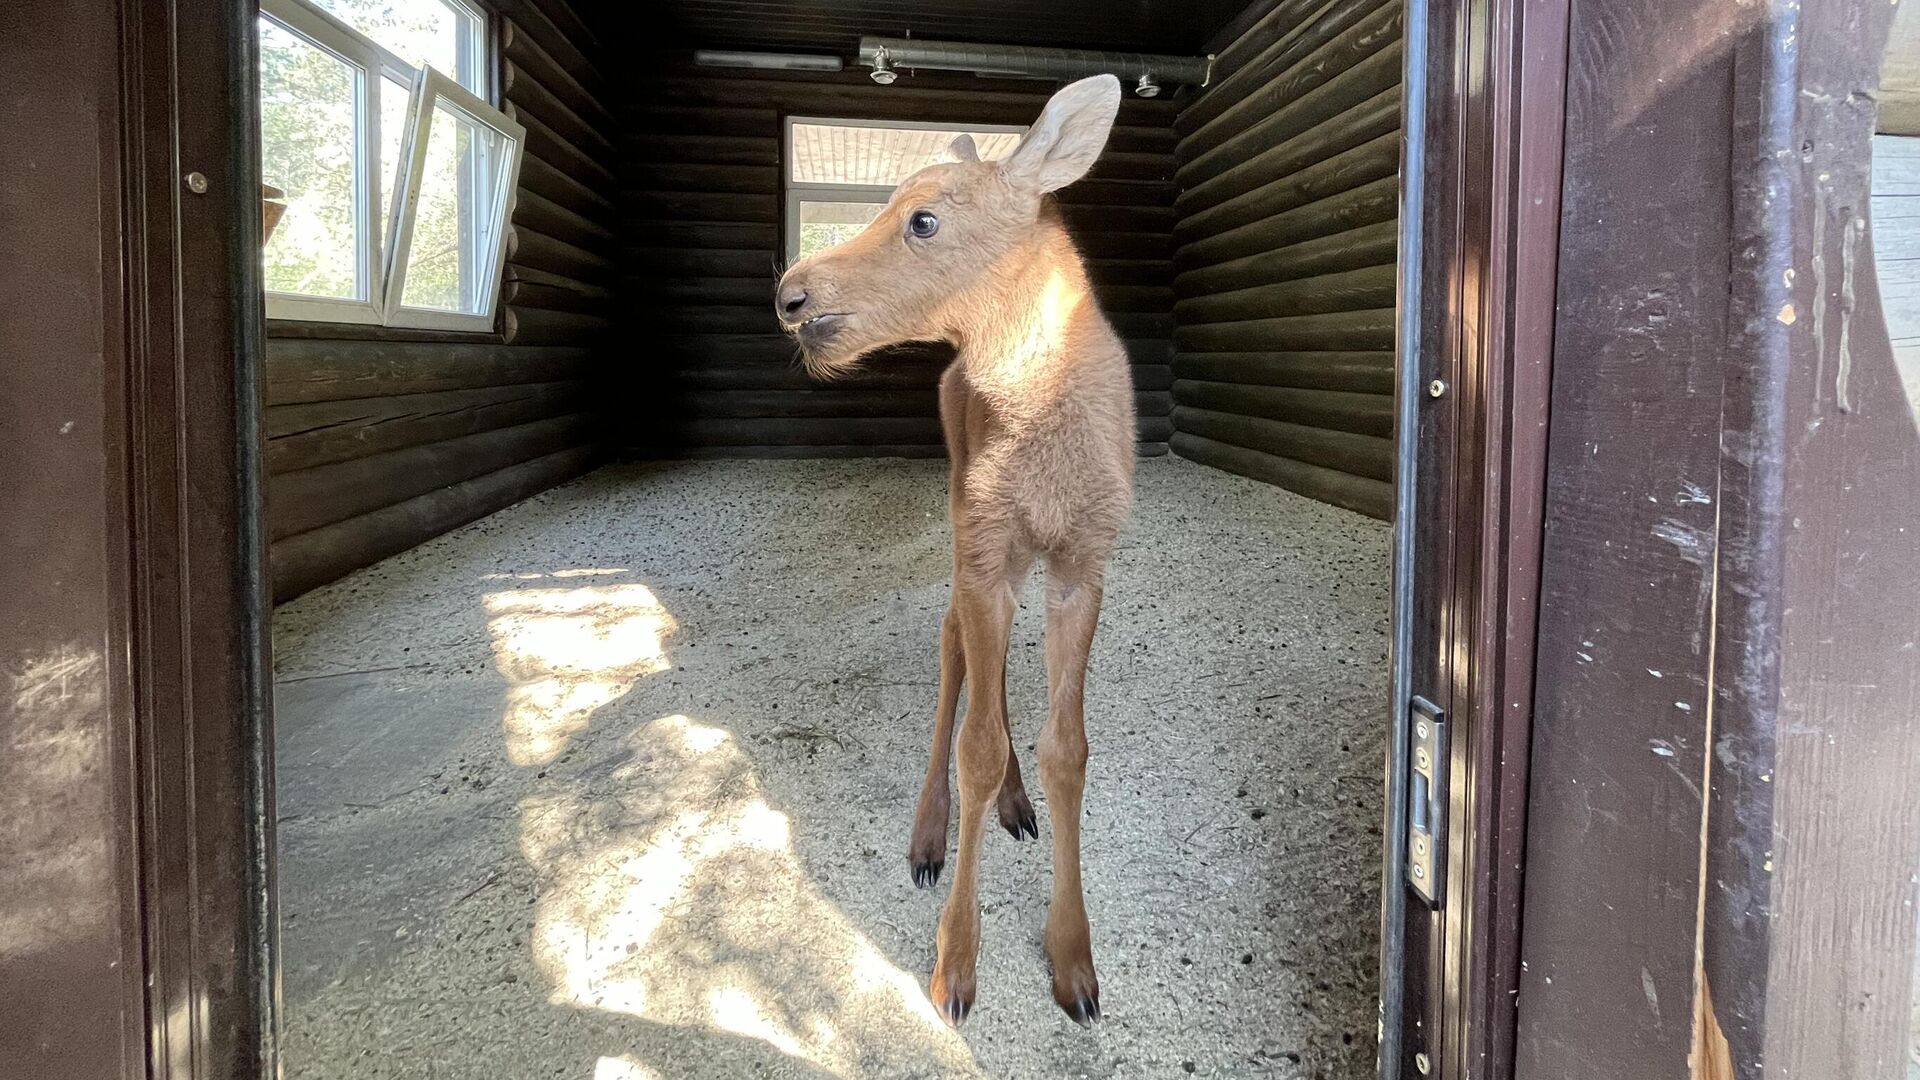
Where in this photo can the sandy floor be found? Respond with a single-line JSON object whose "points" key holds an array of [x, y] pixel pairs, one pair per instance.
{"points": [[616, 785]]}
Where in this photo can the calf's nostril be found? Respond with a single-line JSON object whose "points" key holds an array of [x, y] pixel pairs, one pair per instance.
{"points": [[792, 300]]}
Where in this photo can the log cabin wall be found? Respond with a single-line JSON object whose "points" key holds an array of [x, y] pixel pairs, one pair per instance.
{"points": [[377, 439], [1285, 260], [701, 194]]}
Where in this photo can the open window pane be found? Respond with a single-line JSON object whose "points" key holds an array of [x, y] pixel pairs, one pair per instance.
{"points": [[395, 102], [462, 162], [824, 224], [309, 102], [432, 33]]}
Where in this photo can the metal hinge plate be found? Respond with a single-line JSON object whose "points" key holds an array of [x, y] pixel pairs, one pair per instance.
{"points": [[1427, 803]]}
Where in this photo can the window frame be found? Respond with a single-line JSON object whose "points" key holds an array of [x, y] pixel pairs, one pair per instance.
{"points": [[798, 191], [432, 87], [376, 265]]}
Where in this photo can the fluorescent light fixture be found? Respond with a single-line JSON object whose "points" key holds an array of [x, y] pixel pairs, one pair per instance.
{"points": [[766, 61]]}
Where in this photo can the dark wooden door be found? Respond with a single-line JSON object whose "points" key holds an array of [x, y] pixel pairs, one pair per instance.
{"points": [[133, 870]]}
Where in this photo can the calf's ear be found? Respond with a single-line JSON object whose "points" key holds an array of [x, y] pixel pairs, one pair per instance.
{"points": [[1067, 139]]}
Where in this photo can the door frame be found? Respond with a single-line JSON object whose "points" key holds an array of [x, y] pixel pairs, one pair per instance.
{"points": [[1484, 96], [143, 567]]}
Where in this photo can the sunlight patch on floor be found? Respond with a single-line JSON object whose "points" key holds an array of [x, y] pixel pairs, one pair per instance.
{"points": [[676, 896], [566, 652]]}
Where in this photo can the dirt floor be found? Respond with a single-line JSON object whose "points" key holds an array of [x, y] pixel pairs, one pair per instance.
{"points": [[616, 785]]}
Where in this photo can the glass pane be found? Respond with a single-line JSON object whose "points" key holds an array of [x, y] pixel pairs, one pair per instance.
{"points": [[418, 31], [455, 227], [308, 105], [824, 224], [880, 156], [395, 105]]}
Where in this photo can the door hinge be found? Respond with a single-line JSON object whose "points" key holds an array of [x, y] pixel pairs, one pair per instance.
{"points": [[1427, 802]]}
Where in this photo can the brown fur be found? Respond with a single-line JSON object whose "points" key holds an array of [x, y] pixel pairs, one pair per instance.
{"points": [[1039, 421]]}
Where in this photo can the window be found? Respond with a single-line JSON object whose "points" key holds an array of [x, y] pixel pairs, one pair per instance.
{"points": [[841, 172], [397, 176]]}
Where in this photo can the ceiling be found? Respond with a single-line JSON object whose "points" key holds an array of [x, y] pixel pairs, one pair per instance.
{"points": [[1154, 26]]}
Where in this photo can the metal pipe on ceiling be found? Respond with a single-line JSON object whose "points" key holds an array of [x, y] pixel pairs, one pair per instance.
{"points": [[1147, 71]]}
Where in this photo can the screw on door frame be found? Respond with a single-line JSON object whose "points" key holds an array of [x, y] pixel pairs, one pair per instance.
{"points": [[197, 183], [1423, 1063], [1437, 388]]}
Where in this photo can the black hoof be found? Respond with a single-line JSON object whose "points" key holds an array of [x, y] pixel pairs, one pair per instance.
{"points": [[926, 874], [1085, 1011], [1026, 826], [955, 1011]]}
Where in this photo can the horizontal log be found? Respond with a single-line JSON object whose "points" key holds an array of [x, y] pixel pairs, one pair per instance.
{"points": [[1340, 93], [796, 431], [1098, 243], [1368, 245], [308, 499], [1130, 271], [531, 97], [1371, 161], [322, 433], [545, 326], [698, 149], [672, 175], [548, 179], [523, 294], [906, 373], [789, 453], [1352, 33], [559, 65], [534, 212], [1155, 298], [694, 318], [743, 292], [703, 120], [1336, 410], [1096, 192], [1152, 377], [1363, 331], [301, 563], [1256, 35], [553, 148], [1373, 498], [1362, 455], [701, 205], [1122, 165], [532, 275], [813, 401], [307, 371], [556, 256], [1364, 205], [1111, 219], [1351, 290], [558, 19], [304, 330], [1362, 372], [730, 235], [1142, 326], [1378, 115]]}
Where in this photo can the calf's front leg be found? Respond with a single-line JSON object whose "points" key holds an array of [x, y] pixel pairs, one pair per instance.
{"points": [[986, 618]]}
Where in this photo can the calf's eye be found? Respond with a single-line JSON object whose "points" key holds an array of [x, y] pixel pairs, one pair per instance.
{"points": [[923, 224]]}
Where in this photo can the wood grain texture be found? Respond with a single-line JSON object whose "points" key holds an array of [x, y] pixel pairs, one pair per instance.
{"points": [[1285, 258]]}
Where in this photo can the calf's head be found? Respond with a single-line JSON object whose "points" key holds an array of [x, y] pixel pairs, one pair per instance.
{"points": [[929, 265]]}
